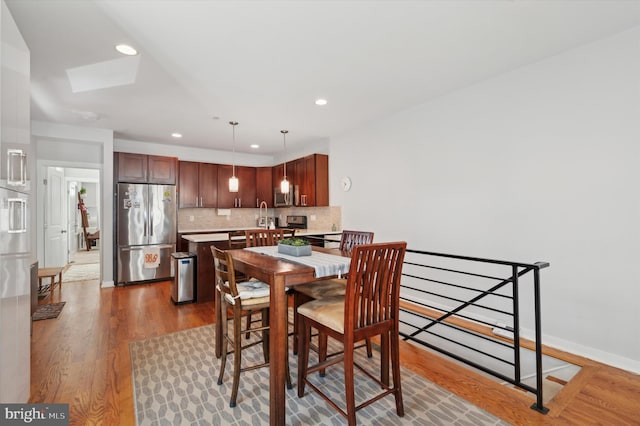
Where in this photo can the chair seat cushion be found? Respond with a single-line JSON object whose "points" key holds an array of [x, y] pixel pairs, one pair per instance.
{"points": [[247, 303], [250, 293], [328, 311], [323, 288]]}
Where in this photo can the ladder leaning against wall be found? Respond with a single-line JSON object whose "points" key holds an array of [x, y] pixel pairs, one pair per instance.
{"points": [[89, 237]]}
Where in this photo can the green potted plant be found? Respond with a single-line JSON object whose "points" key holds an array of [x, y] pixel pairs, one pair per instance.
{"points": [[294, 246]]}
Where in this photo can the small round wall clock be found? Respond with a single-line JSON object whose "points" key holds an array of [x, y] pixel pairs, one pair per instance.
{"points": [[346, 183]]}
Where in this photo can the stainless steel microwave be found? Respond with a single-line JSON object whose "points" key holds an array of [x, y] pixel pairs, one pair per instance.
{"points": [[283, 200]]}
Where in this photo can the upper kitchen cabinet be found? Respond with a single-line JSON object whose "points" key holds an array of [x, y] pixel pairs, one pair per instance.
{"points": [[162, 170], [15, 133], [315, 180], [264, 185], [142, 168], [246, 195], [295, 174], [277, 174], [198, 185], [309, 176], [131, 167]]}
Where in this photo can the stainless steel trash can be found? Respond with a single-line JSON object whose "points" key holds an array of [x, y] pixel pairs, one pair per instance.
{"points": [[183, 287]]}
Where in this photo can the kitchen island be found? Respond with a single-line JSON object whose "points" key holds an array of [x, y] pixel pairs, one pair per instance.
{"points": [[200, 244]]}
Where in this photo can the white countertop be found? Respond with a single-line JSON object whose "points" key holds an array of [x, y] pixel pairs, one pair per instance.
{"points": [[209, 230], [222, 235]]}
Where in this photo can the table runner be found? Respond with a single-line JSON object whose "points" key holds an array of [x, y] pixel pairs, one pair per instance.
{"points": [[325, 265]]}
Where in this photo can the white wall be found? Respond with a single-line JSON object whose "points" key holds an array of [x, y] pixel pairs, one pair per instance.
{"points": [[539, 164]]}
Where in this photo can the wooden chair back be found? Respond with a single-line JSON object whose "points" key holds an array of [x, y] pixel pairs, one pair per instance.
{"points": [[372, 295], [225, 277], [353, 238], [288, 232], [263, 237], [237, 240], [277, 235]]}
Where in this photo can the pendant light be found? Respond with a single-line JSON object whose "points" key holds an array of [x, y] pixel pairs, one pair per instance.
{"points": [[234, 184], [284, 185]]}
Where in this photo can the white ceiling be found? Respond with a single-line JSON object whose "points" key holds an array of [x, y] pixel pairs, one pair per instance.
{"points": [[263, 63]]}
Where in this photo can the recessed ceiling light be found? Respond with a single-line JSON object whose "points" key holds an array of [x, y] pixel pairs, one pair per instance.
{"points": [[87, 115], [255, 146], [321, 102], [176, 135], [125, 49]]}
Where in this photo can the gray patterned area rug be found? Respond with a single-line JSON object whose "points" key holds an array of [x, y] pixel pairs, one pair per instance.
{"points": [[175, 383]]}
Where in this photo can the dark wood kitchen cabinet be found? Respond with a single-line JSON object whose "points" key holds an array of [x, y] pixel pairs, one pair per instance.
{"points": [[311, 175], [295, 170], [162, 170], [264, 185], [315, 179], [142, 168], [277, 174], [198, 185], [246, 195]]}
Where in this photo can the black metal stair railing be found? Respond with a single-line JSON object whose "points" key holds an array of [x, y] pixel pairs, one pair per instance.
{"points": [[472, 310]]}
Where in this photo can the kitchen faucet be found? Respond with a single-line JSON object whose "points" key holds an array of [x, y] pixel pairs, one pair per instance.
{"points": [[266, 214]]}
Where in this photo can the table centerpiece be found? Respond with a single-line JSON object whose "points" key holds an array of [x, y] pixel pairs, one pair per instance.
{"points": [[294, 246]]}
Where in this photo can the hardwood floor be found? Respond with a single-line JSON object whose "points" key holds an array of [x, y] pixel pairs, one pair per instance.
{"points": [[82, 358]]}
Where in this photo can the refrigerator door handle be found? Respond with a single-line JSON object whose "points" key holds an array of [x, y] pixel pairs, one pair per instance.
{"points": [[136, 248], [17, 215]]}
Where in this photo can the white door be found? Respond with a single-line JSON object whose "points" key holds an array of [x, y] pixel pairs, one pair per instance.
{"points": [[55, 219]]}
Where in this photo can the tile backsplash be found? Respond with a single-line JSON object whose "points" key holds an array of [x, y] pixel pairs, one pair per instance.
{"points": [[207, 219]]}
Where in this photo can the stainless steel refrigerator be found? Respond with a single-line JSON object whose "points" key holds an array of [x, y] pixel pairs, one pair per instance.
{"points": [[146, 232]]}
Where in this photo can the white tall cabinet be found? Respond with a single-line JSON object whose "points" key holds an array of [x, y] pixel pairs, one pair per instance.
{"points": [[15, 213]]}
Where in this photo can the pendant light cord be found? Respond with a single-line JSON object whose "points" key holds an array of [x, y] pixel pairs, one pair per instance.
{"points": [[233, 156]]}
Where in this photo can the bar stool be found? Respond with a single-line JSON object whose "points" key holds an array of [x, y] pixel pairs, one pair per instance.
{"points": [[370, 307]]}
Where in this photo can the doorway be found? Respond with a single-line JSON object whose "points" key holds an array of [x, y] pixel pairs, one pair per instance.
{"points": [[72, 199]]}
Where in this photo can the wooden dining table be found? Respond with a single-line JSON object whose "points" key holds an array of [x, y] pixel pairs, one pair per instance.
{"points": [[278, 274]]}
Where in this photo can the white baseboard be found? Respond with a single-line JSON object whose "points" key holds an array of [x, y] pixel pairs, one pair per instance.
{"points": [[613, 360], [107, 284]]}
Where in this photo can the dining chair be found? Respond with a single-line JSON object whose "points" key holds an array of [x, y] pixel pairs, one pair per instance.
{"points": [[370, 307], [237, 240], [327, 288], [288, 232], [242, 298], [262, 237]]}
